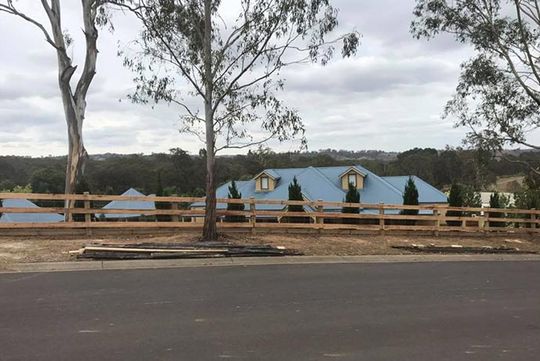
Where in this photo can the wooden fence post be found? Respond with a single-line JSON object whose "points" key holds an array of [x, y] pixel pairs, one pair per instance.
{"points": [[482, 223], [381, 218], [87, 216], [437, 214], [67, 209], [319, 209], [253, 214], [175, 218], [533, 219]]}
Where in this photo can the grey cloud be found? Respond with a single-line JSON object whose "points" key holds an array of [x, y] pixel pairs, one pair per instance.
{"points": [[19, 85], [27, 116], [109, 138], [388, 22], [368, 75], [43, 59]]}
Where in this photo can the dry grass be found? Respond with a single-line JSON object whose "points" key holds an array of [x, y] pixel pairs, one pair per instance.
{"points": [[51, 249]]}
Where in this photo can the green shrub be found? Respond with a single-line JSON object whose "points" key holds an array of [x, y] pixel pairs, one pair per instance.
{"points": [[410, 197], [352, 196], [234, 194], [455, 199], [295, 194], [496, 202]]}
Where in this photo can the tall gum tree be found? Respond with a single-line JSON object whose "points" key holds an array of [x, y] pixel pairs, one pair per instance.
{"points": [[73, 91], [498, 94], [223, 70]]}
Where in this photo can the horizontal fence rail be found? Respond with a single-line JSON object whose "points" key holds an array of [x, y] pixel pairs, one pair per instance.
{"points": [[85, 211]]}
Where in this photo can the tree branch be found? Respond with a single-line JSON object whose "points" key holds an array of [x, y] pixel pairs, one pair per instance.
{"points": [[245, 145]]}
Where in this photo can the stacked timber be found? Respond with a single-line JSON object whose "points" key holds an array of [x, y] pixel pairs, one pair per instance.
{"points": [[175, 250]]}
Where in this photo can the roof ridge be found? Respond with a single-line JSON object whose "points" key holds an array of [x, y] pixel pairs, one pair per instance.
{"points": [[355, 168], [337, 166], [390, 184], [384, 181], [305, 169], [242, 185], [429, 184], [327, 180], [329, 166], [269, 172], [414, 177]]}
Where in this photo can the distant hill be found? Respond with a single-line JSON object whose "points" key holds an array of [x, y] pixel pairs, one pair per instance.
{"points": [[509, 184], [379, 155]]}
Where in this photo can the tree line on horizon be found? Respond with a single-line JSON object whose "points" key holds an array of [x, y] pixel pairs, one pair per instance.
{"points": [[181, 173]]}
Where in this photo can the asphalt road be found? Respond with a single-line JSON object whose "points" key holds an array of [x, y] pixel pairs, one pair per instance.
{"points": [[416, 311]]}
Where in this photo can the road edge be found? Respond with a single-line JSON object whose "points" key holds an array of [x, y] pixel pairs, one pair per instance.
{"points": [[256, 261]]}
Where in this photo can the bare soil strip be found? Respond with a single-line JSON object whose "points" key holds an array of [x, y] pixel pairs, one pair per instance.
{"points": [[56, 249]]}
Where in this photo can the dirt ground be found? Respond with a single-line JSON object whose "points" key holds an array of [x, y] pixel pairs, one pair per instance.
{"points": [[50, 249]]}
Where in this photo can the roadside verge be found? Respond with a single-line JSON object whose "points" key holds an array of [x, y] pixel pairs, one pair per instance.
{"points": [[255, 261]]}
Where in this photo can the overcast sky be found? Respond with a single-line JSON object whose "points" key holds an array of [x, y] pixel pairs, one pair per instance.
{"points": [[389, 97]]}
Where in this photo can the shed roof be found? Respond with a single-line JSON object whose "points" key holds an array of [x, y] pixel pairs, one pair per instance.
{"points": [[27, 217], [144, 205]]}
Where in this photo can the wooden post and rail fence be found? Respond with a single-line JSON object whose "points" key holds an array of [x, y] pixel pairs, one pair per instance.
{"points": [[264, 214]]}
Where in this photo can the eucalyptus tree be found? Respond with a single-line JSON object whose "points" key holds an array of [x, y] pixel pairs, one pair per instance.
{"points": [[221, 62], [498, 94], [73, 89]]}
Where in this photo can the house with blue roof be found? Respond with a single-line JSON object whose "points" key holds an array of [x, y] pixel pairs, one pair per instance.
{"points": [[138, 205], [330, 184], [23, 217]]}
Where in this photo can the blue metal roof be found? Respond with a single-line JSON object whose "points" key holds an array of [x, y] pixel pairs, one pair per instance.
{"points": [[426, 192], [145, 205], [269, 172], [325, 183], [27, 217], [375, 189]]}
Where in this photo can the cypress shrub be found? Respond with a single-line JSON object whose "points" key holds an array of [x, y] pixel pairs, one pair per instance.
{"points": [[455, 199], [295, 194], [496, 202], [352, 196], [234, 194], [410, 197]]}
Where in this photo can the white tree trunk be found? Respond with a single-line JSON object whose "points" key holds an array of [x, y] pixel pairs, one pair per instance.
{"points": [[74, 102], [210, 227]]}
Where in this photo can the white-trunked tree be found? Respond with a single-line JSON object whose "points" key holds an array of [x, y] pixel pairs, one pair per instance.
{"points": [[73, 91]]}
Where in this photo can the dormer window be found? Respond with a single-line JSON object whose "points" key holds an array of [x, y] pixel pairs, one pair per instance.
{"points": [[264, 183], [352, 179], [352, 176]]}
